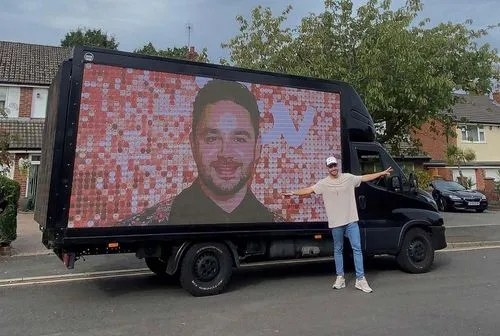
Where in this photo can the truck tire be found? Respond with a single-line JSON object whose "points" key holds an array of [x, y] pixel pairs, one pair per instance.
{"points": [[159, 267], [416, 254], [156, 265], [206, 269]]}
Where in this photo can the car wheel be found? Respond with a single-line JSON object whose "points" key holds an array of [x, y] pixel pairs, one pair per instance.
{"points": [[442, 205], [417, 253], [206, 269]]}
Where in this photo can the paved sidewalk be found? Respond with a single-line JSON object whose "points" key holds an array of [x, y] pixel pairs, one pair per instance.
{"points": [[29, 237]]}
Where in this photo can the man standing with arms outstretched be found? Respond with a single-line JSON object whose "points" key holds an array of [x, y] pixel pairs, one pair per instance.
{"points": [[340, 204]]}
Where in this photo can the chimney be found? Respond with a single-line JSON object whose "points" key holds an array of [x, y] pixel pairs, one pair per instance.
{"points": [[192, 54], [496, 97]]}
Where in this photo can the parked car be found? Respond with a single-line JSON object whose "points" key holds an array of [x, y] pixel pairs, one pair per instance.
{"points": [[451, 195]]}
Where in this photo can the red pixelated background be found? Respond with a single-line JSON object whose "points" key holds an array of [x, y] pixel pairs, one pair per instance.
{"points": [[133, 150]]}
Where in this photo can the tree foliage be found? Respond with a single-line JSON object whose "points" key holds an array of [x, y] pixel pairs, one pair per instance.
{"points": [[9, 198], [175, 52], [458, 156], [89, 37], [405, 73]]}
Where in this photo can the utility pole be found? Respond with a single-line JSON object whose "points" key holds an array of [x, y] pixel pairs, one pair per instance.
{"points": [[189, 28]]}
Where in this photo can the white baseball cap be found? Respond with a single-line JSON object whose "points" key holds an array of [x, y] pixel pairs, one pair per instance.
{"points": [[331, 160]]}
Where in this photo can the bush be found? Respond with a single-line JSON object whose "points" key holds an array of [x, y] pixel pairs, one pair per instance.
{"points": [[423, 177], [9, 197]]}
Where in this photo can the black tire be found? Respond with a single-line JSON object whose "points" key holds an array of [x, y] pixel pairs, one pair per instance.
{"points": [[206, 269], [442, 205], [417, 253], [156, 265], [479, 210], [159, 267]]}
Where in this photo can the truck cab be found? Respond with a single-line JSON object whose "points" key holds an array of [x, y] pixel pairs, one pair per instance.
{"points": [[396, 217]]}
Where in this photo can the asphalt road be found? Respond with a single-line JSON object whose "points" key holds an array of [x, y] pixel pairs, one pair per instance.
{"points": [[470, 218], [460, 296], [469, 226]]}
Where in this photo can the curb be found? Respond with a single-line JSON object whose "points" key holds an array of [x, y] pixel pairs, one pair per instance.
{"points": [[13, 253], [470, 245]]}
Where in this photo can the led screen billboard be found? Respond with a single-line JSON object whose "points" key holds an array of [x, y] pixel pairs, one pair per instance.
{"points": [[158, 148]]}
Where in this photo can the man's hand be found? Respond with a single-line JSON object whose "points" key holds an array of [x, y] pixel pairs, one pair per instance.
{"points": [[374, 176], [387, 172]]}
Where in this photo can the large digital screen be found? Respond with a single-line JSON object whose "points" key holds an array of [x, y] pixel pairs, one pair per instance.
{"points": [[157, 148]]}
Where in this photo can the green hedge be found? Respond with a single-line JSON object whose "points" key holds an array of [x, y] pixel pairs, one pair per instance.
{"points": [[9, 196]]}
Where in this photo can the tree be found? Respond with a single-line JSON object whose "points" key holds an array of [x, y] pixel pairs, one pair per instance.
{"points": [[89, 37], [405, 73], [458, 156], [176, 52]]}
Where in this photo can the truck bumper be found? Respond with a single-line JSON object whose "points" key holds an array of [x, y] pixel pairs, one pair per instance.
{"points": [[438, 237]]}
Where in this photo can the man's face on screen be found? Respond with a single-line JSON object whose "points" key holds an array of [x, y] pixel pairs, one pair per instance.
{"points": [[224, 147]]}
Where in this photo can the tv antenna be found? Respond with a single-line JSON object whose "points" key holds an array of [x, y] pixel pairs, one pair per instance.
{"points": [[189, 28]]}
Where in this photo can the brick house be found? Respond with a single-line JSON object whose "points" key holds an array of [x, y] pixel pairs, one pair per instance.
{"points": [[476, 124], [26, 71]]}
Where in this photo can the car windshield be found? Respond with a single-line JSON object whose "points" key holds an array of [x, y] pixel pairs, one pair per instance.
{"points": [[449, 185]]}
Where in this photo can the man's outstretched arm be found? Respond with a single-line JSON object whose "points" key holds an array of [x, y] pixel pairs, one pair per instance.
{"points": [[301, 192], [374, 176]]}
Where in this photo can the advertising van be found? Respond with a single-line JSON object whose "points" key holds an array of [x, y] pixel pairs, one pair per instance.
{"points": [[184, 165]]}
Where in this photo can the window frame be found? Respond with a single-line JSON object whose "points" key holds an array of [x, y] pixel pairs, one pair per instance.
{"points": [[6, 90], [479, 128]]}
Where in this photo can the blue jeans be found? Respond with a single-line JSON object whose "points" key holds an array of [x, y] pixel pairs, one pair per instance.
{"points": [[350, 231]]}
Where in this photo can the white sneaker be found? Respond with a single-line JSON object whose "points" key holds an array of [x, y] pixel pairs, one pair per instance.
{"points": [[362, 284], [339, 282]]}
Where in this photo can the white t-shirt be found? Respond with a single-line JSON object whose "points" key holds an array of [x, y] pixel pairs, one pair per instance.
{"points": [[339, 198]]}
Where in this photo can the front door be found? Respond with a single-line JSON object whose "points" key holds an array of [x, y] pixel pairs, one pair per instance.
{"points": [[374, 199]]}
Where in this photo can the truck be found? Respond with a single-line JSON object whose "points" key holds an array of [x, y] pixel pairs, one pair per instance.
{"points": [[184, 164]]}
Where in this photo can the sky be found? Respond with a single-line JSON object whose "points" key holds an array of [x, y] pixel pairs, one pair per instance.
{"points": [[134, 23]]}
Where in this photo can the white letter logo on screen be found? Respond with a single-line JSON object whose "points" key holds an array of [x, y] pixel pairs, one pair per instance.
{"points": [[283, 124]]}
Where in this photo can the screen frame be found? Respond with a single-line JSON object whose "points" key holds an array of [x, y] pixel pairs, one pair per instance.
{"points": [[83, 55]]}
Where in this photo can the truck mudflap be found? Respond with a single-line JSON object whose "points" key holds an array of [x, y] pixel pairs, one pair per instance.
{"points": [[68, 259], [438, 237]]}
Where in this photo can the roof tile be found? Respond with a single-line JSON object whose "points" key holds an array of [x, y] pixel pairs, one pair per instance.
{"points": [[477, 109], [30, 64], [23, 133]]}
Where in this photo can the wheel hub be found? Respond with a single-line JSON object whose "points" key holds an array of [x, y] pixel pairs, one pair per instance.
{"points": [[416, 250], [206, 267]]}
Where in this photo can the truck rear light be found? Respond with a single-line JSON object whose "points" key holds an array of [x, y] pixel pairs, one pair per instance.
{"points": [[113, 245]]}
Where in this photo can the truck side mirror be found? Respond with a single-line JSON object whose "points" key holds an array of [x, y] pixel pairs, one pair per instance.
{"points": [[395, 183]]}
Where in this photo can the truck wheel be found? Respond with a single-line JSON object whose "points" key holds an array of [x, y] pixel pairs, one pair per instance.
{"points": [[416, 254], [159, 267], [156, 265], [206, 269]]}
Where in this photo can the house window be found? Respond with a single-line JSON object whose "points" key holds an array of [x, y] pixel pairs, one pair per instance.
{"points": [[472, 133], [3, 97], [9, 100]]}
